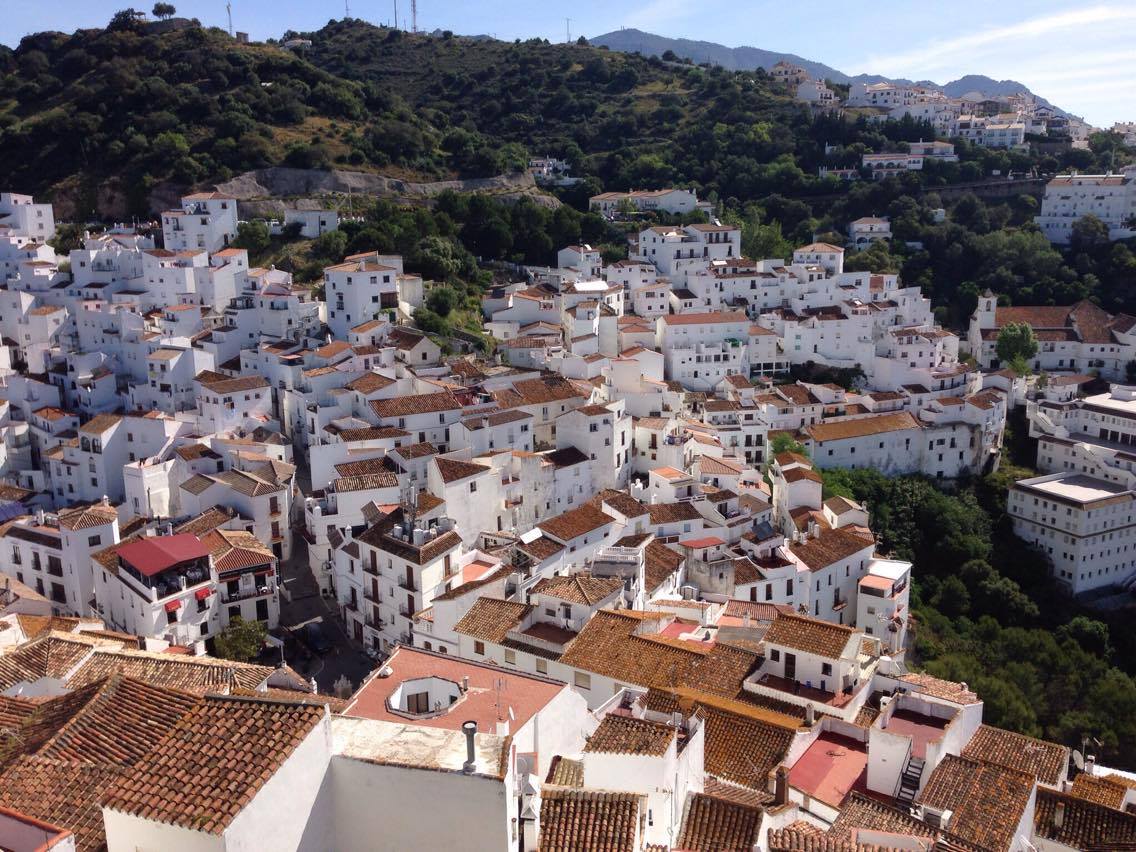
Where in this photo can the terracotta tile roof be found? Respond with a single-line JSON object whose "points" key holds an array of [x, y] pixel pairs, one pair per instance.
{"points": [[380, 535], [85, 517], [1086, 825], [199, 675], [474, 585], [49, 656], [35, 626], [621, 502], [710, 317], [986, 801], [575, 522], [608, 646], [210, 519], [453, 470], [811, 635], [670, 513], [565, 457], [367, 467], [626, 735], [541, 548], [1048, 762], [578, 820], [1098, 789], [100, 423], [860, 811], [369, 383], [710, 824], [221, 383], [208, 767], [232, 550], [829, 547], [563, 772], [364, 482], [940, 688], [837, 430], [660, 563], [490, 619], [541, 391], [796, 474], [61, 792], [416, 451], [582, 588], [741, 746], [424, 403], [733, 793]]}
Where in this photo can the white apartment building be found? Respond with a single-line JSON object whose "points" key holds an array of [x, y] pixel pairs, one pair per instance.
{"points": [[866, 230], [206, 221], [1068, 198], [1077, 338], [21, 216], [390, 572], [1082, 523], [702, 349], [357, 290], [646, 200], [603, 433], [676, 251]]}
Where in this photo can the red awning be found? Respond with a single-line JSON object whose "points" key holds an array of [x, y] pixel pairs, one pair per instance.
{"points": [[173, 606], [202, 594]]}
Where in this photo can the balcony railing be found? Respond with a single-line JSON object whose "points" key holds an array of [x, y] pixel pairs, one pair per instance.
{"points": [[408, 585]]}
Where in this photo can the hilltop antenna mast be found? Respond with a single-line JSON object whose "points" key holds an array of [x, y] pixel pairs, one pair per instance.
{"points": [[229, 9], [414, 16], [346, 10], [396, 14], [568, 30]]}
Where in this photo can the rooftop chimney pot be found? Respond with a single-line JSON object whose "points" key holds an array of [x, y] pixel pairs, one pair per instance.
{"points": [[469, 729]]}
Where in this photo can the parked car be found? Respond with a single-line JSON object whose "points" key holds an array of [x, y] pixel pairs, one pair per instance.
{"points": [[316, 638]]}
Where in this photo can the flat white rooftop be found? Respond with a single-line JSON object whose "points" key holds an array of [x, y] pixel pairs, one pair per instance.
{"points": [[892, 569], [1076, 487], [415, 746]]}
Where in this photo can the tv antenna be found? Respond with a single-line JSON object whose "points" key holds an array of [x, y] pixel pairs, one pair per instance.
{"points": [[229, 10]]}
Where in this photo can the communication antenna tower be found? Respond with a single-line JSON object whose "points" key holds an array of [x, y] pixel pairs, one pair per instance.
{"points": [[568, 30], [229, 9], [396, 14], [414, 16]]}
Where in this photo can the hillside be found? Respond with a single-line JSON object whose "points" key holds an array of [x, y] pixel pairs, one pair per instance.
{"points": [[101, 118], [732, 58], [750, 58]]}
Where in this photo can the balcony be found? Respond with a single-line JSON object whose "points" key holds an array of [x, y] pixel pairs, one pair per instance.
{"points": [[372, 595], [258, 591], [408, 585]]}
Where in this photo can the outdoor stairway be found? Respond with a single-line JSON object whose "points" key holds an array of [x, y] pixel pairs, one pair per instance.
{"points": [[909, 781]]}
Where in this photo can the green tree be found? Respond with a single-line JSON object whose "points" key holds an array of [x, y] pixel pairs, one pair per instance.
{"points": [[252, 236], [241, 640], [1016, 340], [124, 20], [441, 300], [783, 442], [164, 10]]}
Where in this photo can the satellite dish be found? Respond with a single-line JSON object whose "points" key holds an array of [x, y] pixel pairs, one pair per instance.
{"points": [[1078, 760]]}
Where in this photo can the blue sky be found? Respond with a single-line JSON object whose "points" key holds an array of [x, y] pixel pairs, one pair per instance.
{"points": [[1079, 55]]}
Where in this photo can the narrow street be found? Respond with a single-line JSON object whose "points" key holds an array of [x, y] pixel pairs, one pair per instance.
{"points": [[306, 605]]}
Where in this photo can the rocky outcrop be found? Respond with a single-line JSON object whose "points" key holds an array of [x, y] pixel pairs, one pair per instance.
{"points": [[270, 191]]}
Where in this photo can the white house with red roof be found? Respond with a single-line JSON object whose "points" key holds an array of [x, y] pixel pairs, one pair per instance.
{"points": [[206, 221]]}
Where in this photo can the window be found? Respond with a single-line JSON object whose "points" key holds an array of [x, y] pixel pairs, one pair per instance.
{"points": [[542, 666], [775, 655], [479, 648], [510, 657], [826, 668], [94, 540], [582, 680]]}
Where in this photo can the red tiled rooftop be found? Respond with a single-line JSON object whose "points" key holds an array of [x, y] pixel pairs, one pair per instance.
{"points": [[153, 555], [525, 695], [550, 633], [831, 768], [475, 570]]}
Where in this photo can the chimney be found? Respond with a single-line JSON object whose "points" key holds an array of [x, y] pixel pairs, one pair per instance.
{"points": [[465, 683], [1090, 763], [469, 729], [781, 787], [1059, 815], [810, 715]]}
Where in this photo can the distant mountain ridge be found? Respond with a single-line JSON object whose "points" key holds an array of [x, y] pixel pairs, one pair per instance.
{"points": [[747, 58]]}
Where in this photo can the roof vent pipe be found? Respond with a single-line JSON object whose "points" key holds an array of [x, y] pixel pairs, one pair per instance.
{"points": [[469, 729]]}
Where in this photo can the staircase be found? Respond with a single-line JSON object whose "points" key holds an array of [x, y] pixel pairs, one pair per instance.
{"points": [[909, 781]]}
